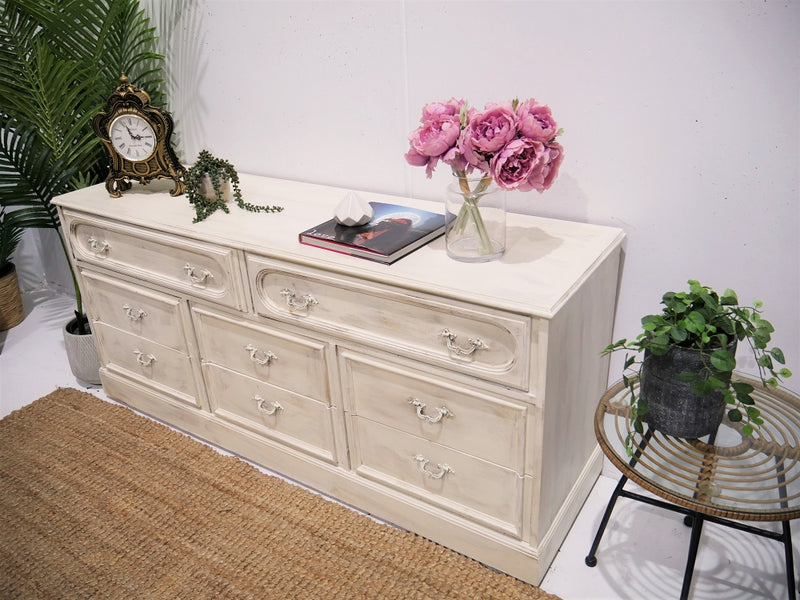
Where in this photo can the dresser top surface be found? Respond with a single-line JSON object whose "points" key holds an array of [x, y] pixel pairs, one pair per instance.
{"points": [[545, 261]]}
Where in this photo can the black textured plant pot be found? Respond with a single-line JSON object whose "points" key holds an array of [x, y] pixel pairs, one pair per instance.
{"points": [[672, 406]]}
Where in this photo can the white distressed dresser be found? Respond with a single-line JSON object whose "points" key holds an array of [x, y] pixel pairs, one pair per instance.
{"points": [[454, 400]]}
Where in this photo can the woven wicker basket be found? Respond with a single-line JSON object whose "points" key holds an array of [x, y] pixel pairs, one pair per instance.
{"points": [[11, 312]]}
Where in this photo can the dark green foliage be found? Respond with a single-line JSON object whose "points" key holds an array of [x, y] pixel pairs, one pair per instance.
{"points": [[704, 319], [59, 62]]}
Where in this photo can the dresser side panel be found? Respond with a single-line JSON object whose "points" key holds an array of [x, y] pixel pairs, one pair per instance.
{"points": [[577, 376]]}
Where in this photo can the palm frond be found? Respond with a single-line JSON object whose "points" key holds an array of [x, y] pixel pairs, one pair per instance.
{"points": [[29, 174]]}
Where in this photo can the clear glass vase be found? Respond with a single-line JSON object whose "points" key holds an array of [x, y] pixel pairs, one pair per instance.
{"points": [[475, 208]]}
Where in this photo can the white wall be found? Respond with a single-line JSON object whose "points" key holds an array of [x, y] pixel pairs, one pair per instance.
{"points": [[682, 119]]}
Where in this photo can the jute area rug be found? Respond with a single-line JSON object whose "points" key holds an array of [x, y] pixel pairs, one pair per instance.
{"points": [[99, 502]]}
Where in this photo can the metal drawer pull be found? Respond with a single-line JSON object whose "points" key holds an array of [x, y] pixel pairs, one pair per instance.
{"points": [[99, 249], [205, 274], [307, 300], [441, 412], [273, 406], [134, 314], [268, 356], [474, 344], [144, 360], [442, 469]]}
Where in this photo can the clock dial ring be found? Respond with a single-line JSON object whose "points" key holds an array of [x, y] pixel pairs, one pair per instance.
{"points": [[132, 136]]}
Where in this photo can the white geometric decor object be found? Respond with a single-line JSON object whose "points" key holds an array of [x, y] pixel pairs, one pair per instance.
{"points": [[353, 210]]}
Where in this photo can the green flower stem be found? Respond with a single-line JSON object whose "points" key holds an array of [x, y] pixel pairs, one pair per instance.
{"points": [[470, 211]]}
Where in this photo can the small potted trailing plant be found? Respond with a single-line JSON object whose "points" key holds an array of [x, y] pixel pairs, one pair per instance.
{"points": [[679, 369], [208, 185]]}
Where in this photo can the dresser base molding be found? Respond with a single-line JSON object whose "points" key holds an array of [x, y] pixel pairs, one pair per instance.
{"points": [[516, 558]]}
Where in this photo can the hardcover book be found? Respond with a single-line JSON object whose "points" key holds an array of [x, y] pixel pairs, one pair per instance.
{"points": [[393, 232]]}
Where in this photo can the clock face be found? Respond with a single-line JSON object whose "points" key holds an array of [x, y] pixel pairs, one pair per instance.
{"points": [[133, 137]]}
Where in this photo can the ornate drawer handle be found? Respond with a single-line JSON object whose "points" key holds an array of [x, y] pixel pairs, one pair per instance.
{"points": [[133, 314], [99, 249], [261, 403], [268, 356], [441, 412], [205, 274], [144, 360], [441, 471], [307, 300], [474, 344]]}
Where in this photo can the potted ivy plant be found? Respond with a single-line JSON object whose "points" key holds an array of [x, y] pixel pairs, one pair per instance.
{"points": [[209, 182], [58, 64], [679, 368]]}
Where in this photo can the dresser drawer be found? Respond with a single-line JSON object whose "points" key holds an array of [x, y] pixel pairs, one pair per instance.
{"points": [[131, 308], [479, 341], [200, 269], [147, 361], [271, 411], [285, 360], [448, 414], [439, 475]]}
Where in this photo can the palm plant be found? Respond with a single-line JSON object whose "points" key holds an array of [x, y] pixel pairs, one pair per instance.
{"points": [[59, 61], [10, 234]]}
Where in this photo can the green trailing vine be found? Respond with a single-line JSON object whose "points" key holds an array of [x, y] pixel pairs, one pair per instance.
{"points": [[219, 171], [704, 319]]}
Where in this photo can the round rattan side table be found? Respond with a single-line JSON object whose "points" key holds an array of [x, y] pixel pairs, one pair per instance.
{"points": [[727, 478]]}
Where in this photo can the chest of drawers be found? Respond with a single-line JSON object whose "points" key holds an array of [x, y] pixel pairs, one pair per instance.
{"points": [[451, 399]]}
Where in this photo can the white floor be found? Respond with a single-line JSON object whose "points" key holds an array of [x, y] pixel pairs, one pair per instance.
{"points": [[642, 554]]}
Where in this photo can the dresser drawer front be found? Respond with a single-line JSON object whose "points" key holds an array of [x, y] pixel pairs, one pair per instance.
{"points": [[456, 481], [145, 313], [282, 359], [482, 342], [147, 361], [289, 418], [448, 414], [200, 269]]}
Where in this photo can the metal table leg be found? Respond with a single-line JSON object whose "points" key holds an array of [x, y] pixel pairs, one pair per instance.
{"points": [[591, 559], [697, 528]]}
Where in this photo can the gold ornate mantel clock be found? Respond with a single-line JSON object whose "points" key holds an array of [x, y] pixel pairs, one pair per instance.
{"points": [[137, 137]]}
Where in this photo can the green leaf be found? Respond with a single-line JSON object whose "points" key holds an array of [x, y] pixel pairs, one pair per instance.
{"points": [[785, 373], [677, 334], [651, 322], [715, 383], [687, 377], [753, 413], [723, 360], [695, 321], [777, 354], [729, 298], [747, 430], [659, 345], [734, 415]]}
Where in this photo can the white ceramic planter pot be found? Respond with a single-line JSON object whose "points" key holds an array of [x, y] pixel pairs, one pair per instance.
{"points": [[82, 354]]}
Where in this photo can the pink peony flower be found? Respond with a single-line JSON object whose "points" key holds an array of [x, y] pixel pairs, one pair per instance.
{"points": [[487, 132], [436, 136], [546, 170], [437, 109], [535, 121], [513, 165], [432, 140]]}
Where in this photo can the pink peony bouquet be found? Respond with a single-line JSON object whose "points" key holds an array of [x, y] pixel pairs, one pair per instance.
{"points": [[514, 143]]}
